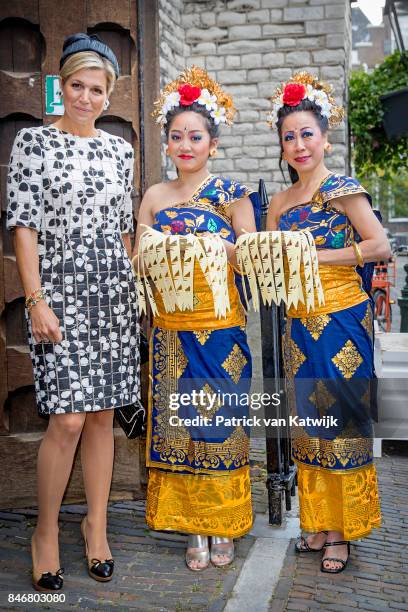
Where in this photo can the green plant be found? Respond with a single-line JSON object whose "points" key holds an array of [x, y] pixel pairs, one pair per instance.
{"points": [[373, 153]]}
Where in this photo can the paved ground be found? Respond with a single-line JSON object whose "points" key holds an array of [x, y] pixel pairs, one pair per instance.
{"points": [[151, 575], [376, 578]]}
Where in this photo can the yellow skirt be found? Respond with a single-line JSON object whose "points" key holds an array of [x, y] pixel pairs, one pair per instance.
{"points": [[200, 504], [342, 501]]}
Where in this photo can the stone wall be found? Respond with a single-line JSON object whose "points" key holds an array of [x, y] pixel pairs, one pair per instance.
{"points": [[250, 46]]}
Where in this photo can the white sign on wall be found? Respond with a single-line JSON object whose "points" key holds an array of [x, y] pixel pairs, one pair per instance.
{"points": [[53, 100]]}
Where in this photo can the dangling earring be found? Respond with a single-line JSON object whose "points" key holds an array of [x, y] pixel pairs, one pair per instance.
{"points": [[328, 147], [213, 152], [106, 104]]}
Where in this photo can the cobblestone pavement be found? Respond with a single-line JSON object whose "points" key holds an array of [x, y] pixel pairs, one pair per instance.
{"points": [[150, 572], [376, 578]]}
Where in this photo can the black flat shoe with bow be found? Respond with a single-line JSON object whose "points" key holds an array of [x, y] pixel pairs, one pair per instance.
{"points": [[47, 582], [100, 570]]}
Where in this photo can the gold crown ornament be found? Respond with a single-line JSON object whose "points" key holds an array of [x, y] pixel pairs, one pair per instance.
{"points": [[194, 85], [306, 86]]}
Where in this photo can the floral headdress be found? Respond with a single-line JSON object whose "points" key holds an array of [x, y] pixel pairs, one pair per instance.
{"points": [[306, 86], [195, 85]]}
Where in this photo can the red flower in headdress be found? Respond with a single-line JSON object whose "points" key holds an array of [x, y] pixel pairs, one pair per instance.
{"points": [[188, 94], [293, 94]]}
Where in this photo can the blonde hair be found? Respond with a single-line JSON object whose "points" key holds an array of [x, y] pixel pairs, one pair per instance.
{"points": [[89, 59]]}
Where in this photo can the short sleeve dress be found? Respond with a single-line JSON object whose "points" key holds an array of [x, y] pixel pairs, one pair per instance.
{"points": [[76, 193]]}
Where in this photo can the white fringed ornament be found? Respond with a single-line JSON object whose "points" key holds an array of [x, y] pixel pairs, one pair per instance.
{"points": [[260, 257]]}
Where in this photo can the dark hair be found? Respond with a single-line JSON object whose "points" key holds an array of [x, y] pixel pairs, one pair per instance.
{"points": [[305, 105], [212, 128]]}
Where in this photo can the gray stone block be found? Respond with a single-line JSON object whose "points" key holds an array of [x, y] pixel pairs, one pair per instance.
{"points": [[245, 32], [255, 76], [303, 13], [254, 152], [246, 46], [278, 29], [243, 5], [206, 35], [214, 62], [233, 61], [297, 58], [228, 18], [325, 26], [261, 16], [329, 56], [204, 48], [231, 76], [243, 90], [252, 60], [334, 41], [274, 3], [273, 59], [208, 18], [286, 43], [246, 163], [222, 165], [335, 11], [248, 115], [190, 21], [260, 139]]}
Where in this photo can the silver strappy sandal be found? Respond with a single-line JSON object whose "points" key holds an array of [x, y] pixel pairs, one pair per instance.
{"points": [[201, 554], [219, 549]]}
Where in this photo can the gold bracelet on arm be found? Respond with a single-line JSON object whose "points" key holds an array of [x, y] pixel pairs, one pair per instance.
{"points": [[358, 254], [34, 298]]}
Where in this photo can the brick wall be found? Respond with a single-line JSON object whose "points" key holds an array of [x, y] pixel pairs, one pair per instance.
{"points": [[250, 46]]}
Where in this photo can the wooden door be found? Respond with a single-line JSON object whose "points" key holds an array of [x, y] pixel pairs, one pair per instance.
{"points": [[31, 37]]}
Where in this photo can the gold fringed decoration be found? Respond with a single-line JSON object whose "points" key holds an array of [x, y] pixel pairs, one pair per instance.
{"points": [[261, 256], [166, 262]]}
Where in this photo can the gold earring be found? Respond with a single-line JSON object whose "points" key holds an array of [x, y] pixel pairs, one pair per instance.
{"points": [[167, 151], [213, 152]]}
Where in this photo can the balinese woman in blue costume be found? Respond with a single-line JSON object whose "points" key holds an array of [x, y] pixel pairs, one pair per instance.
{"points": [[199, 475], [328, 352]]}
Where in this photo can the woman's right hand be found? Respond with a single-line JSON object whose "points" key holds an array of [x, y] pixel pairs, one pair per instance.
{"points": [[44, 323]]}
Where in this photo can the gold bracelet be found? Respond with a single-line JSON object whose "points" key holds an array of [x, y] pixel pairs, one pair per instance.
{"points": [[358, 254], [34, 298]]}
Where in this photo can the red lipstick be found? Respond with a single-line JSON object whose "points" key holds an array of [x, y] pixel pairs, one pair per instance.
{"points": [[185, 156], [302, 160]]}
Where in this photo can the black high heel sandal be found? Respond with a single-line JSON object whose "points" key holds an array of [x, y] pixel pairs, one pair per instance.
{"points": [[99, 570], [302, 546], [47, 582], [337, 570]]}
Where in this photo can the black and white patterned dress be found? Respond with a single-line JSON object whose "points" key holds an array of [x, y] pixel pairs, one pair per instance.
{"points": [[76, 192]]}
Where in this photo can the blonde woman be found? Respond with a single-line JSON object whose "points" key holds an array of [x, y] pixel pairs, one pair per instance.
{"points": [[70, 208]]}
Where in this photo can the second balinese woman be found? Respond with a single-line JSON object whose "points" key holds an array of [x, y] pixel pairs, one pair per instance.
{"points": [[199, 475]]}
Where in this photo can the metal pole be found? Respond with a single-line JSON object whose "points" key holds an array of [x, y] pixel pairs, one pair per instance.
{"points": [[403, 304]]}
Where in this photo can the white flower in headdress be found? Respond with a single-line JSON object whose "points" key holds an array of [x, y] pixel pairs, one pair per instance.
{"points": [[319, 97], [207, 100], [218, 114], [172, 100]]}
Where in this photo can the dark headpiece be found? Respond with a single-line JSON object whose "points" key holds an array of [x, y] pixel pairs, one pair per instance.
{"points": [[77, 43]]}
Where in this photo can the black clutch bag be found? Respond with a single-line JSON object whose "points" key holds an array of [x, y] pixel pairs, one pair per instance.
{"points": [[132, 419]]}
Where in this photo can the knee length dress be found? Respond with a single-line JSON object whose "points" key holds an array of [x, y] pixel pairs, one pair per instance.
{"points": [[76, 193]]}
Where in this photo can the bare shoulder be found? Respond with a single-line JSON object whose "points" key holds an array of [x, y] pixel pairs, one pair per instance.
{"points": [[277, 202]]}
